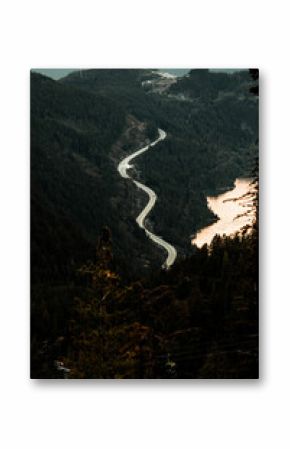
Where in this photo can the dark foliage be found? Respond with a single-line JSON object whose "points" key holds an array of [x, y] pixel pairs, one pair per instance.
{"points": [[119, 316], [198, 321]]}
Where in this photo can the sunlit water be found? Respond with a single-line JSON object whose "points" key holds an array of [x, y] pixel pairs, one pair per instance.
{"points": [[234, 210]]}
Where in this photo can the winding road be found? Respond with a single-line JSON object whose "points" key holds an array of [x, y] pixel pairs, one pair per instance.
{"points": [[123, 166]]}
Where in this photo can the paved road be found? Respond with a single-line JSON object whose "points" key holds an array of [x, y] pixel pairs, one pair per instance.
{"points": [[125, 165]]}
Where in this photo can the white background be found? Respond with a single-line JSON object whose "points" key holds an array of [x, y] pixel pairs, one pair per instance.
{"points": [[151, 414]]}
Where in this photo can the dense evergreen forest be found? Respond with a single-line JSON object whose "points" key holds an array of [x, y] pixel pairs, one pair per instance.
{"points": [[101, 307]]}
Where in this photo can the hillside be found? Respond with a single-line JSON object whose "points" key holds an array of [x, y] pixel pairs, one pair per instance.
{"points": [[75, 188], [100, 304], [212, 125]]}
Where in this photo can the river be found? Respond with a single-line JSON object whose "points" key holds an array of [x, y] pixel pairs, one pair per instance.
{"points": [[234, 209], [123, 168]]}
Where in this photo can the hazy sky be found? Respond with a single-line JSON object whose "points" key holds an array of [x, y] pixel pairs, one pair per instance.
{"points": [[54, 73]]}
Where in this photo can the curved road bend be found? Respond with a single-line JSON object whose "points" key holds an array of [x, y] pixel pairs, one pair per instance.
{"points": [[123, 166]]}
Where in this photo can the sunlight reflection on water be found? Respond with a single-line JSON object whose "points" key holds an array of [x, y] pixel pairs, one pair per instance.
{"points": [[234, 209]]}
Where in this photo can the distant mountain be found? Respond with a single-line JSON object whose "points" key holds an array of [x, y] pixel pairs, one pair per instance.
{"points": [[176, 72], [57, 74]]}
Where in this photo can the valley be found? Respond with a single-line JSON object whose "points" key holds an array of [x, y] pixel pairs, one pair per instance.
{"points": [[124, 164]]}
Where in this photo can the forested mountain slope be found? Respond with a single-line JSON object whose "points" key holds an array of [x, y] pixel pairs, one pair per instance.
{"points": [[75, 188], [212, 124], [85, 123], [99, 303]]}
